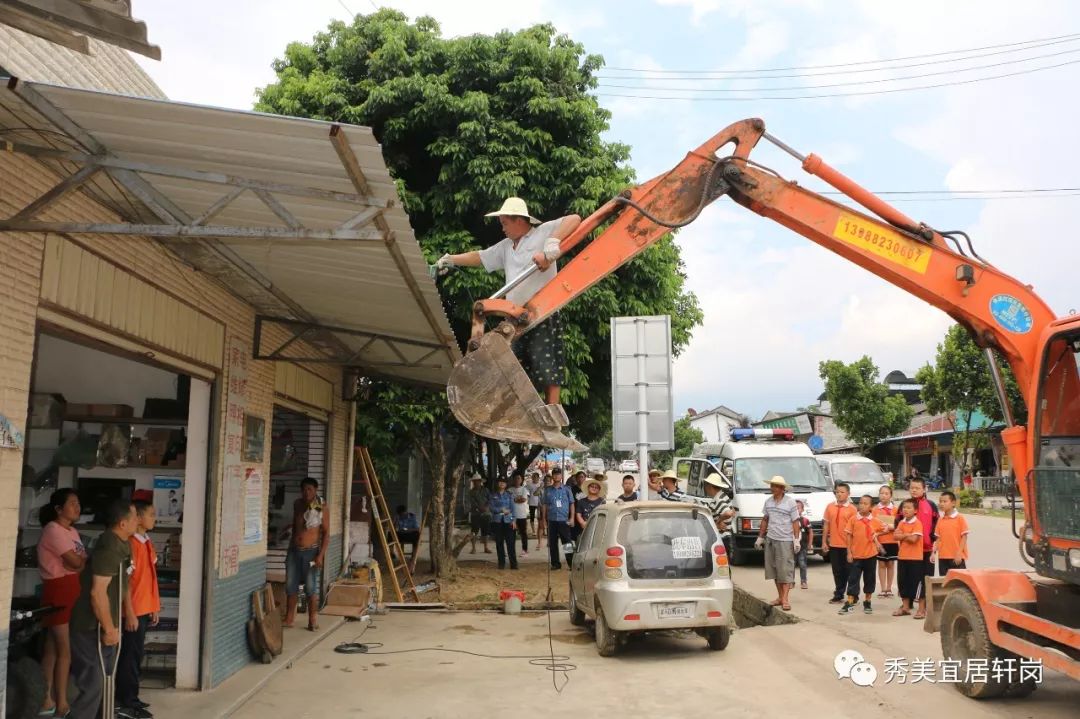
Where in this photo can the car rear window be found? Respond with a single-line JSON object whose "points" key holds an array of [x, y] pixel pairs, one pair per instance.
{"points": [[667, 545]]}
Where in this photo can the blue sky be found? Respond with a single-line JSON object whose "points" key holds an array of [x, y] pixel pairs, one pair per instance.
{"points": [[775, 303]]}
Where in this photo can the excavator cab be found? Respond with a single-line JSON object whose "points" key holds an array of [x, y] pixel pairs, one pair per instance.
{"points": [[1052, 485]]}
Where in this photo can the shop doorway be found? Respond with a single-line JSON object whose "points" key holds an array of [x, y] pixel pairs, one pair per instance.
{"points": [[298, 449], [110, 426]]}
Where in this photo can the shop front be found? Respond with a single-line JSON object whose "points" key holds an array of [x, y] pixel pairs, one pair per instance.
{"points": [[185, 317]]}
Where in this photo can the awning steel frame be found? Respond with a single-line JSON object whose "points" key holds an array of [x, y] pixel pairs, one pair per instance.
{"points": [[126, 174], [299, 329], [178, 229]]}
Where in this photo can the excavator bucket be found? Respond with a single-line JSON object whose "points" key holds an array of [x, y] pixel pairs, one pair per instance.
{"points": [[490, 394]]}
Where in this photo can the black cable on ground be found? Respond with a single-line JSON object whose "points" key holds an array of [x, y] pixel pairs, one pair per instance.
{"points": [[552, 662]]}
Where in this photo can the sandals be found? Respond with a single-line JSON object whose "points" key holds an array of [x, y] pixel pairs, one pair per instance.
{"points": [[775, 603], [901, 612], [919, 615], [786, 607]]}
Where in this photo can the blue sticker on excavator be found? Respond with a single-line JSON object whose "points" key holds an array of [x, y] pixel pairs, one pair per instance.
{"points": [[1011, 314]]}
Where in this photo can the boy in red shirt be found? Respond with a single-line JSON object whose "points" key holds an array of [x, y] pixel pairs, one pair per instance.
{"points": [[862, 532], [950, 538], [833, 540], [927, 514], [911, 567], [142, 604]]}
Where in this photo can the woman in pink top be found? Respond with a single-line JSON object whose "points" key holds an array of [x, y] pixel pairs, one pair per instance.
{"points": [[61, 556]]}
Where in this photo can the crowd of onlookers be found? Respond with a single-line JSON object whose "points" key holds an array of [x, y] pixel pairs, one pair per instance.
{"points": [[104, 598], [868, 545]]}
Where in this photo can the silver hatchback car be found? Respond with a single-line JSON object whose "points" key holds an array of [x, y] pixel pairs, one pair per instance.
{"points": [[651, 566]]}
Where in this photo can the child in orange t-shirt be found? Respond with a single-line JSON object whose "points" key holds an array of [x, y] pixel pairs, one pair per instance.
{"points": [[951, 534], [833, 540], [911, 565], [141, 608], [862, 533], [887, 513]]}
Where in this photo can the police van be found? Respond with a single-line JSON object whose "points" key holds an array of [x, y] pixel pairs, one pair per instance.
{"points": [[749, 459]]}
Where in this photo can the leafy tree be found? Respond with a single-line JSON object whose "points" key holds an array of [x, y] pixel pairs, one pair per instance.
{"points": [[686, 436], [959, 384], [466, 122], [861, 405], [463, 123], [394, 418]]}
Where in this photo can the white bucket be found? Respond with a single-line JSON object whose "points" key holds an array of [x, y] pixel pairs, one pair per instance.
{"points": [[512, 605]]}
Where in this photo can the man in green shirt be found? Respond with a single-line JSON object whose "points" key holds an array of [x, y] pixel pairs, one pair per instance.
{"points": [[98, 609]]}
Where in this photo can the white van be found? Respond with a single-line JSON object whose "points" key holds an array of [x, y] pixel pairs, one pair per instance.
{"points": [[861, 474], [750, 459], [595, 465]]}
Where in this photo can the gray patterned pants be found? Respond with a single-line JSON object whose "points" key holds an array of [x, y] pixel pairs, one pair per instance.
{"points": [[541, 352]]}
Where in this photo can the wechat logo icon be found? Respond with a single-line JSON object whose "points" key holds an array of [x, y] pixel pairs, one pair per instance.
{"points": [[849, 664]]}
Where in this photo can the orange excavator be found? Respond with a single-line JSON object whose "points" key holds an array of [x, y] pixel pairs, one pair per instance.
{"points": [[985, 615]]}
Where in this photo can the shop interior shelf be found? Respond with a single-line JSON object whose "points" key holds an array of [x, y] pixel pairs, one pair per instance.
{"points": [[144, 466], [127, 420]]}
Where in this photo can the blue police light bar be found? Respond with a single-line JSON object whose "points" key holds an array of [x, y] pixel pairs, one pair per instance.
{"points": [[741, 433]]}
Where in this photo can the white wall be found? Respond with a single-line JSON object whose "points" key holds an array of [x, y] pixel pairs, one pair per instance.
{"points": [[86, 375], [715, 427]]}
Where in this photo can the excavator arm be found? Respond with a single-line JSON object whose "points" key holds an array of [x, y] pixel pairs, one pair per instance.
{"points": [[491, 395]]}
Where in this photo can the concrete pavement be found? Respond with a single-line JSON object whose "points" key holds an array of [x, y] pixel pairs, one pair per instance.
{"points": [[765, 671]]}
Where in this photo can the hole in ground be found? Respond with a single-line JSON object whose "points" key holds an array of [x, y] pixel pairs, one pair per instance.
{"points": [[750, 611]]}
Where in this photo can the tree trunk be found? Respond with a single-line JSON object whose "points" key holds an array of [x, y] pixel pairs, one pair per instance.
{"points": [[523, 460], [446, 470]]}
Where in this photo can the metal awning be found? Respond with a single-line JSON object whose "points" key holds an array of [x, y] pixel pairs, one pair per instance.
{"points": [[298, 217]]}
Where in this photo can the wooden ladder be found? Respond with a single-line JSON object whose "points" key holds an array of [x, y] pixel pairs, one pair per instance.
{"points": [[384, 527]]}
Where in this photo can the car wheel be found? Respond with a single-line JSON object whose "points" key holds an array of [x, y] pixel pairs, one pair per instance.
{"points": [[577, 617], [719, 638], [607, 640], [964, 637]]}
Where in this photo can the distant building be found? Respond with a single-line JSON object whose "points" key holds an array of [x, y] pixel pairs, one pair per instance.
{"points": [[716, 423]]}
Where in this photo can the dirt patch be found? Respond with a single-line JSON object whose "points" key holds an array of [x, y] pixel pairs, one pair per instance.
{"points": [[468, 629], [479, 582]]}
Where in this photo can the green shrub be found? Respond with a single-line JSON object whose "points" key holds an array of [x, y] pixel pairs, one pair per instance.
{"points": [[969, 498]]}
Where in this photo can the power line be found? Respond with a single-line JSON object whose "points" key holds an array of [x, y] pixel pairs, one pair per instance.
{"points": [[836, 94], [852, 64], [967, 192], [849, 84], [716, 75], [972, 198]]}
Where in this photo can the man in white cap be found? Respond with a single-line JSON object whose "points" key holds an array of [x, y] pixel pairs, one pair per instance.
{"points": [[779, 537], [527, 242]]}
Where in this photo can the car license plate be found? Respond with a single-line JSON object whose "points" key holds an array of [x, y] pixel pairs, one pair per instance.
{"points": [[676, 611]]}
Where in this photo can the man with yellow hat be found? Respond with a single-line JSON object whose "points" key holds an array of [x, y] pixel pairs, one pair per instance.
{"points": [[527, 242], [779, 537]]}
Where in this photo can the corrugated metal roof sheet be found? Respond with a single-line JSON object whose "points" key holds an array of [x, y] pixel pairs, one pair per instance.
{"points": [[354, 284]]}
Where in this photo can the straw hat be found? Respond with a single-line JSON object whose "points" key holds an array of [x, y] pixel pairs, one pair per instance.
{"points": [[670, 474], [778, 481], [716, 480], [596, 479], [515, 207]]}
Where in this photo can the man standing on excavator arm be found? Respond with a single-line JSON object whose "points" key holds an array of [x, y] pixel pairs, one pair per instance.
{"points": [[527, 242]]}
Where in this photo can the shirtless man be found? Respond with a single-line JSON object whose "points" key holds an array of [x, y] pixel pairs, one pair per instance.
{"points": [[310, 537]]}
